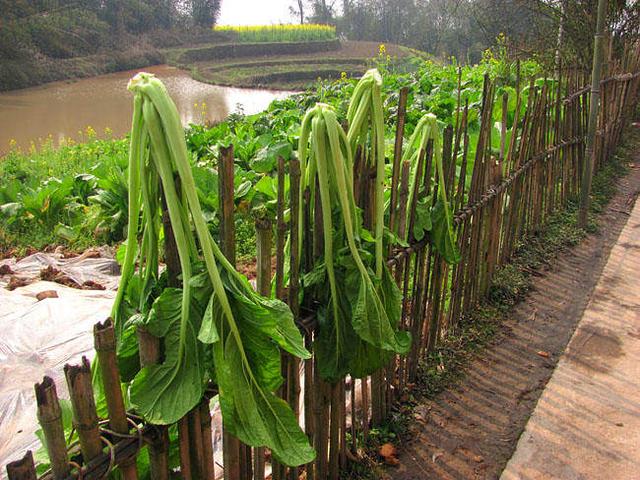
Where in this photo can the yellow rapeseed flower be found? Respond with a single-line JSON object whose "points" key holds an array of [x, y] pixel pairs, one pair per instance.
{"points": [[382, 49]]}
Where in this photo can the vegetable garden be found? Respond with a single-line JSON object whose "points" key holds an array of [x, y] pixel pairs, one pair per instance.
{"points": [[394, 201]]}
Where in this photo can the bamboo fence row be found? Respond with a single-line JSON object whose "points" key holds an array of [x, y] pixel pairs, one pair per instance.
{"points": [[498, 198]]}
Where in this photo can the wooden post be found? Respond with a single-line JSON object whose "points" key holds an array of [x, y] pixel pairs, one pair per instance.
{"points": [[226, 201], [196, 449], [231, 445], [183, 448], [22, 469], [294, 288], [205, 419], [105, 345], [263, 280], [397, 155], [594, 106], [149, 350], [85, 418], [50, 418], [278, 469]]}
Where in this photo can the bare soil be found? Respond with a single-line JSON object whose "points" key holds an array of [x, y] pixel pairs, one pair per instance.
{"points": [[470, 430]]}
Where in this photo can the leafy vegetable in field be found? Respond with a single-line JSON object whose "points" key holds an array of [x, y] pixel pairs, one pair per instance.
{"points": [[360, 312], [430, 217], [214, 327], [366, 130]]}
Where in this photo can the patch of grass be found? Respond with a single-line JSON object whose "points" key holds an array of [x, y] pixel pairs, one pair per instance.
{"points": [[299, 74], [33, 208]]}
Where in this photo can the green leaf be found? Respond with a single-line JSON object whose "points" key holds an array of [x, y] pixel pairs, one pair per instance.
{"points": [[442, 234], [422, 222], [268, 186], [371, 321], [333, 345], [242, 189], [208, 332], [252, 413], [166, 392]]}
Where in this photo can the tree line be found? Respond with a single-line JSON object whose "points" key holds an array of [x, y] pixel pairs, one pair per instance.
{"points": [[68, 28], [466, 28]]}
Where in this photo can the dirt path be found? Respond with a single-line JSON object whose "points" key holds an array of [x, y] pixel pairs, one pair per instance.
{"points": [[587, 421], [470, 430]]}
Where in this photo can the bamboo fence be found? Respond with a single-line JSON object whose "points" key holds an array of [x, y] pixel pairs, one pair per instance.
{"points": [[498, 199]]}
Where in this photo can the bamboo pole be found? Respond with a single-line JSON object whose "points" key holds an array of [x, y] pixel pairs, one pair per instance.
{"points": [[50, 418], [263, 281], [205, 419], [397, 155], [294, 289], [596, 73], [149, 351], [22, 469], [233, 468], [85, 418], [183, 448], [105, 345]]}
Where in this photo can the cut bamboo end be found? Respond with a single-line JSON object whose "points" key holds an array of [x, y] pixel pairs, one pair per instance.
{"points": [[22, 469], [50, 418], [85, 418]]}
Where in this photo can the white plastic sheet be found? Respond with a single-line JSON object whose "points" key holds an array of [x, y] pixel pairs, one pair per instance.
{"points": [[38, 337]]}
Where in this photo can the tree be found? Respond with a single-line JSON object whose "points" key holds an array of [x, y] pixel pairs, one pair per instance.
{"points": [[205, 13], [297, 10]]}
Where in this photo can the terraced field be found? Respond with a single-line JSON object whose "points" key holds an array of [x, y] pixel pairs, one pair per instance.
{"points": [[289, 71]]}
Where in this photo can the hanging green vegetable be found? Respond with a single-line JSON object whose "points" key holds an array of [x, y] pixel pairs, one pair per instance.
{"points": [[366, 129], [215, 327], [436, 219], [358, 320]]}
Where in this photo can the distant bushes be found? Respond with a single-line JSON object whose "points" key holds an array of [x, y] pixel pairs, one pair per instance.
{"points": [[16, 74]]}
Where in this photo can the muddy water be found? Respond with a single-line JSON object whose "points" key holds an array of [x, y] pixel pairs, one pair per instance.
{"points": [[64, 110]]}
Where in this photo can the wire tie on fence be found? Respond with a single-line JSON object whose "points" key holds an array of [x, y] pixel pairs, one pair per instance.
{"points": [[78, 467], [138, 433], [112, 456]]}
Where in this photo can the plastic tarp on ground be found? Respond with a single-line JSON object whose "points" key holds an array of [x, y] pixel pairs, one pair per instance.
{"points": [[38, 337]]}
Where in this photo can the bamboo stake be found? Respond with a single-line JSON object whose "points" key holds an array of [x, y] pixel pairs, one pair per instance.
{"points": [[231, 445], [22, 469], [196, 448], [596, 73], [294, 288], [397, 155], [149, 351], [207, 446], [105, 345], [85, 418], [263, 280], [183, 445], [50, 418]]}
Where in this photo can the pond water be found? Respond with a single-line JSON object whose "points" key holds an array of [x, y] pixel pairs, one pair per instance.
{"points": [[62, 110]]}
